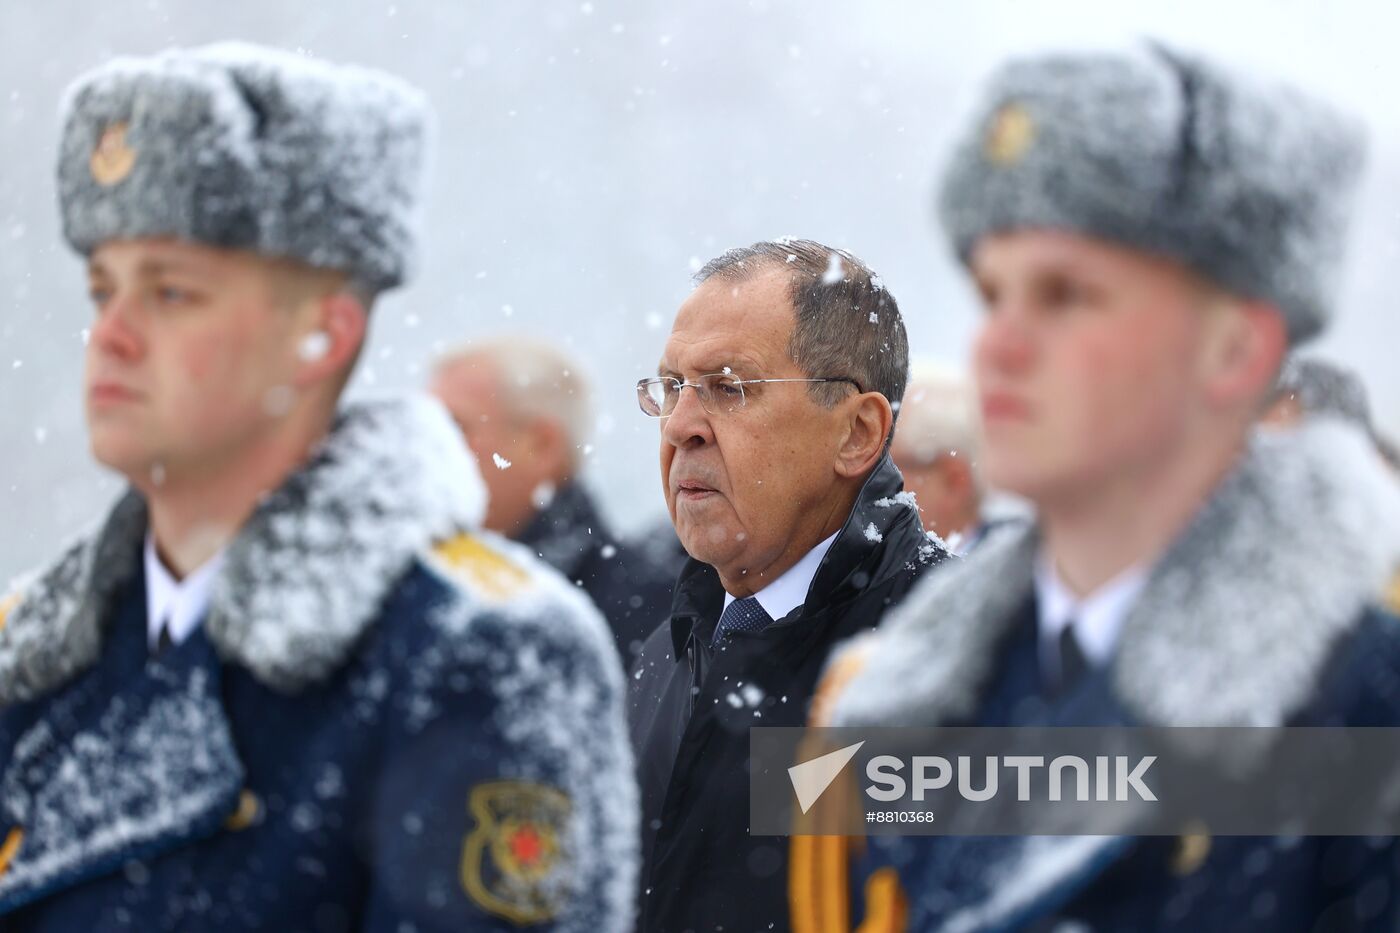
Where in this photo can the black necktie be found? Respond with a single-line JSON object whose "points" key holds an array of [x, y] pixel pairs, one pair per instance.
{"points": [[1073, 664], [163, 641], [742, 615]]}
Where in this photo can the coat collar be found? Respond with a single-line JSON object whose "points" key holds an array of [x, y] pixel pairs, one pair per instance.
{"points": [[304, 577], [101, 779], [1233, 627], [883, 536]]}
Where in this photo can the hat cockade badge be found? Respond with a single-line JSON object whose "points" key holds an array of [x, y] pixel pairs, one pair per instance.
{"points": [[113, 159], [1010, 135]]}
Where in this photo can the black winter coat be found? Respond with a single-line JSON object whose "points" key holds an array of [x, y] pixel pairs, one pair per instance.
{"points": [[691, 707]]}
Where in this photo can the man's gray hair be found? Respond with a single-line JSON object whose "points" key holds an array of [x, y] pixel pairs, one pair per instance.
{"points": [[847, 324], [536, 381]]}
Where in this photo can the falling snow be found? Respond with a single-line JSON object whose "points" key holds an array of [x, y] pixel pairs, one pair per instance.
{"points": [[835, 271]]}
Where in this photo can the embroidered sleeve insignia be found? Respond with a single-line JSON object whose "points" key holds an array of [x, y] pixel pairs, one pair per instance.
{"points": [[513, 861]]}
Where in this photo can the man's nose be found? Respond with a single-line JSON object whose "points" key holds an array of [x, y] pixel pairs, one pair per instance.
{"points": [[1004, 343], [688, 425], [115, 333]]}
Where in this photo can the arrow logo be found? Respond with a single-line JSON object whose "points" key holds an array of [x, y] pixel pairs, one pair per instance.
{"points": [[811, 778]]}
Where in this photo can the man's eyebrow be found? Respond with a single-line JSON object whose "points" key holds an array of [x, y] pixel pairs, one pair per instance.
{"points": [[165, 266], [733, 367], [713, 364], [727, 364]]}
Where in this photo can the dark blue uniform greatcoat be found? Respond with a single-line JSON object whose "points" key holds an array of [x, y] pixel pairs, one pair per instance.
{"points": [[364, 735], [1260, 614]]}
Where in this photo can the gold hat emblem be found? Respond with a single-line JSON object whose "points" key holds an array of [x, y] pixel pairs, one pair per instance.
{"points": [[113, 159], [1010, 135]]}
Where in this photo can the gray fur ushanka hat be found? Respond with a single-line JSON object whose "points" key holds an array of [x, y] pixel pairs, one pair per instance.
{"points": [[241, 147], [1247, 184]]}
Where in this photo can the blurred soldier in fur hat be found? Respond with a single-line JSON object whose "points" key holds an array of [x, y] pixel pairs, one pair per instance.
{"points": [[282, 685], [1148, 234]]}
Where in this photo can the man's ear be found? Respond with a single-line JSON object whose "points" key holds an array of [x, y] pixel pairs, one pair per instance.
{"points": [[870, 418], [1245, 344], [956, 473], [550, 447], [331, 344]]}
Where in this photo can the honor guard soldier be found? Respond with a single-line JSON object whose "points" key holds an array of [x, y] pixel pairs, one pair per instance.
{"points": [[282, 685], [1149, 233]]}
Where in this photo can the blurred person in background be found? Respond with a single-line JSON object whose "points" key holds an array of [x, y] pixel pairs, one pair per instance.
{"points": [[774, 396], [1310, 386], [1148, 234], [935, 448], [281, 684], [524, 409]]}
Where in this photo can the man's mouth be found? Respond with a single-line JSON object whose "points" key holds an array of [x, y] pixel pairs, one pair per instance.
{"points": [[105, 392], [1004, 406], [691, 491]]}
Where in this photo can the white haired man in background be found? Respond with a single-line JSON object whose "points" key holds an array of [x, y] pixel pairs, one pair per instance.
{"points": [[936, 448], [524, 408]]}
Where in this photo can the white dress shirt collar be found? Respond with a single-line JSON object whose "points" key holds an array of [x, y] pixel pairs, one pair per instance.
{"points": [[178, 605], [790, 590], [1097, 618]]}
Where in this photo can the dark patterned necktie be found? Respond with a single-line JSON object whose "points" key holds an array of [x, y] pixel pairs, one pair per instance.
{"points": [[1073, 662], [742, 615]]}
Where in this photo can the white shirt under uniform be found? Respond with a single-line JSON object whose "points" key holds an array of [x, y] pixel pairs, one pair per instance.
{"points": [[176, 605], [1097, 618]]}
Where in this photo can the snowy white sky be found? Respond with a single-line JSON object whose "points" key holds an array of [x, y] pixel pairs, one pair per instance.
{"points": [[590, 153]]}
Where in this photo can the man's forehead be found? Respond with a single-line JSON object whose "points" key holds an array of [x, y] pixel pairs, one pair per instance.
{"points": [[474, 373], [1049, 251], [154, 255], [725, 320], [712, 356], [1028, 247], [470, 400]]}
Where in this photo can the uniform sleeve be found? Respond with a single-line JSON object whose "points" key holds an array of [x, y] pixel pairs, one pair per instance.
{"points": [[506, 799]]}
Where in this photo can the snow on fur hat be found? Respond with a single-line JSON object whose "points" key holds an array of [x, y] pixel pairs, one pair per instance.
{"points": [[242, 147], [1247, 184]]}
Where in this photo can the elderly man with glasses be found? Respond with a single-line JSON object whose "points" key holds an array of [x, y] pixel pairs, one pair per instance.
{"points": [[776, 398]]}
